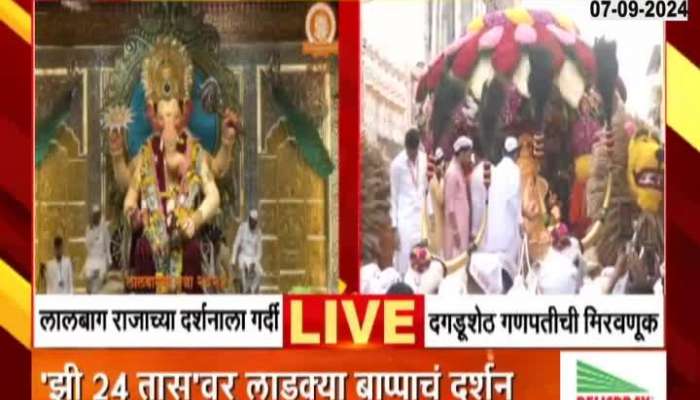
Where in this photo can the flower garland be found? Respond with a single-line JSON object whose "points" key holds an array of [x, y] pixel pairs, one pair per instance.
{"points": [[162, 220]]}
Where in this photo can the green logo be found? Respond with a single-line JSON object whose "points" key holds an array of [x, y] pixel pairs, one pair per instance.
{"points": [[590, 379]]}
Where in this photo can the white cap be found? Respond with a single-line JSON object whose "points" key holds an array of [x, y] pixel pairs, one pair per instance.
{"points": [[253, 214], [96, 208], [439, 155], [511, 144], [462, 143]]}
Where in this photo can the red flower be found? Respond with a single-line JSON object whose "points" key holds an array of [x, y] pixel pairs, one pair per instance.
{"points": [[434, 75], [546, 39], [506, 55], [466, 57]]}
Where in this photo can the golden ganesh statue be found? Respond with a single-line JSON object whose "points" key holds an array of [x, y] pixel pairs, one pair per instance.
{"points": [[170, 185], [534, 189]]}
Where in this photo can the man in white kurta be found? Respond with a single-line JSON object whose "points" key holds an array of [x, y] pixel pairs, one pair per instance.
{"points": [[505, 205], [97, 242], [376, 280], [246, 253], [377, 276], [408, 191], [59, 271]]}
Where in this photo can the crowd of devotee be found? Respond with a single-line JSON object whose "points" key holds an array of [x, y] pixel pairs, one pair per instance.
{"points": [[457, 226]]}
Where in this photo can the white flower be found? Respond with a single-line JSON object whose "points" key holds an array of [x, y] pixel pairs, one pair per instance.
{"points": [[117, 117]]}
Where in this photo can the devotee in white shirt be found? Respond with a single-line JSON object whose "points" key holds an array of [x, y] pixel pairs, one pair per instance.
{"points": [[58, 271], [97, 242], [375, 280], [408, 179], [379, 275], [505, 206], [246, 253], [493, 266]]}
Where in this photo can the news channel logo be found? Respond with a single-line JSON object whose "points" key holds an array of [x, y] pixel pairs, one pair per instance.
{"points": [[619, 375]]}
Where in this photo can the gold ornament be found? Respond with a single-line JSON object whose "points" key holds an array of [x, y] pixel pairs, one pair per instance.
{"points": [[167, 71], [117, 117]]}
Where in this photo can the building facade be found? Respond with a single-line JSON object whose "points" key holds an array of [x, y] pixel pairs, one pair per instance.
{"points": [[655, 76], [387, 100], [447, 20]]}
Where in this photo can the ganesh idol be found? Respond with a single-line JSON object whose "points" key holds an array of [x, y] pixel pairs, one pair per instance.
{"points": [[169, 184]]}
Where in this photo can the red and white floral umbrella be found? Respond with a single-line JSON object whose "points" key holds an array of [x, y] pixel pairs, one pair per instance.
{"points": [[498, 44]]}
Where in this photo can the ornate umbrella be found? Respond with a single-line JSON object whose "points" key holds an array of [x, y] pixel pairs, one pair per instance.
{"points": [[527, 51]]}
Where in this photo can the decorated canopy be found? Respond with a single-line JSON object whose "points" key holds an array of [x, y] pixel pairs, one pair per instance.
{"points": [[516, 71], [499, 44]]}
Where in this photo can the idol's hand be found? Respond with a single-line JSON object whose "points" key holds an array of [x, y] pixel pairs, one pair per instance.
{"points": [[134, 216], [116, 142], [230, 126], [189, 228], [192, 223]]}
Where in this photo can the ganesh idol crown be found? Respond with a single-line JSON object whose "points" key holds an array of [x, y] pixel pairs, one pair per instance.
{"points": [[169, 182]]}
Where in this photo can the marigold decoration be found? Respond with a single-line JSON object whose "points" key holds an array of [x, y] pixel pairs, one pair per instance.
{"points": [[519, 15], [566, 22], [506, 54], [476, 25]]}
